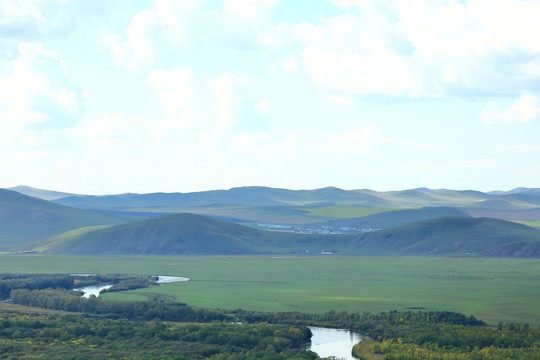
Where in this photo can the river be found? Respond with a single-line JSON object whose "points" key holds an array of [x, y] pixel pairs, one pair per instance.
{"points": [[93, 290], [96, 289], [325, 342], [162, 279], [333, 342]]}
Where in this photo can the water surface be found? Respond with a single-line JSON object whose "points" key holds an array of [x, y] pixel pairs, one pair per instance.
{"points": [[93, 289], [333, 342], [162, 279]]}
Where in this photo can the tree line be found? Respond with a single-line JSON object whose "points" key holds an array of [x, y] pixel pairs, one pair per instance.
{"points": [[80, 337], [153, 309], [9, 282], [435, 335]]}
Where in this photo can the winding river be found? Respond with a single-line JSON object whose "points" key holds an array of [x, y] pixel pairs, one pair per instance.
{"points": [[333, 342], [96, 289], [325, 342]]}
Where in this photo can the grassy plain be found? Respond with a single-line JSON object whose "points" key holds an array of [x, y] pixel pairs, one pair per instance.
{"points": [[345, 212], [535, 223], [492, 289]]}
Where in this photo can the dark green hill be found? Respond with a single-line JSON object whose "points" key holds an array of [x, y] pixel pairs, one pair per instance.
{"points": [[190, 234], [393, 218], [502, 203], [168, 234], [455, 236], [24, 219], [185, 234]]}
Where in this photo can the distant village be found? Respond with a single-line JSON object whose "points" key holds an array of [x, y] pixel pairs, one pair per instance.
{"points": [[314, 229]]}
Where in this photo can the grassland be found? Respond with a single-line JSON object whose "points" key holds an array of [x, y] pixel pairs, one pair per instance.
{"points": [[491, 289], [535, 224], [345, 212]]}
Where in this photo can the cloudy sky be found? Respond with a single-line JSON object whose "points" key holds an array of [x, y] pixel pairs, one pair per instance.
{"points": [[184, 95]]}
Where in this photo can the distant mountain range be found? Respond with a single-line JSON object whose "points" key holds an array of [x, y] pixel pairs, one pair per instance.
{"points": [[418, 221], [521, 198]]}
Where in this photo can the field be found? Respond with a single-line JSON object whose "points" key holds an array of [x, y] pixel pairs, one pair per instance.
{"points": [[491, 289]]}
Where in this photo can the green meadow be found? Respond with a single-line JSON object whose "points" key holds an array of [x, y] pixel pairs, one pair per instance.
{"points": [[492, 289], [345, 212], [531, 223]]}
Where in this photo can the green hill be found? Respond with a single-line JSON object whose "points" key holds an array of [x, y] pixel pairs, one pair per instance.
{"points": [[455, 236], [388, 219], [24, 219], [169, 234], [190, 234]]}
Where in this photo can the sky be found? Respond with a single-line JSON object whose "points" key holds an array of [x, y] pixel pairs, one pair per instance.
{"points": [[106, 97]]}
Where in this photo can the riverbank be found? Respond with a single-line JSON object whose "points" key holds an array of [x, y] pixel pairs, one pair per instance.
{"points": [[364, 350]]}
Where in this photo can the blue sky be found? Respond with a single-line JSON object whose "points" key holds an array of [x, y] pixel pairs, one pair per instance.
{"points": [[173, 95]]}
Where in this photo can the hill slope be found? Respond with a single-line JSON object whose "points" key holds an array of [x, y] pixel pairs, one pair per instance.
{"points": [[40, 193], [168, 234], [264, 196], [253, 195], [24, 219], [455, 236], [185, 234], [388, 219], [190, 234]]}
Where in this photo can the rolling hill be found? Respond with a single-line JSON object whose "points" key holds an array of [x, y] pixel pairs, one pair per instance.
{"points": [[40, 193], [185, 234], [24, 219], [388, 219], [190, 234], [254, 196], [455, 236], [265, 196]]}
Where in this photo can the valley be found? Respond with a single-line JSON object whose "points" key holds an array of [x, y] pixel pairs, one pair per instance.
{"points": [[326, 257], [492, 289]]}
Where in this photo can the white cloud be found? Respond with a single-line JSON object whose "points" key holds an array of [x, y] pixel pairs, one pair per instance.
{"points": [[430, 166], [227, 97], [138, 49], [341, 99], [263, 107], [523, 110], [361, 4], [188, 23], [38, 92], [289, 64], [177, 92], [421, 146], [349, 53], [114, 132], [250, 9], [521, 148], [12, 12], [424, 48], [352, 142], [206, 104], [36, 20]]}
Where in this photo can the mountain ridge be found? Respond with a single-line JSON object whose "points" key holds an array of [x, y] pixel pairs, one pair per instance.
{"points": [[24, 219], [266, 196]]}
